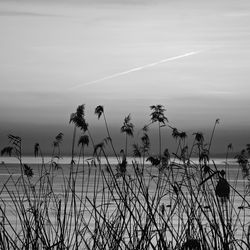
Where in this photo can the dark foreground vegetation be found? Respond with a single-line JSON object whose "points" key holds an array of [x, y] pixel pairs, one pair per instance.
{"points": [[164, 201]]}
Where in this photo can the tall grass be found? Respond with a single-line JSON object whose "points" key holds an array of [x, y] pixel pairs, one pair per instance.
{"points": [[158, 201]]}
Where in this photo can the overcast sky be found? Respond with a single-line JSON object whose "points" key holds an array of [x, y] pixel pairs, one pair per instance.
{"points": [[125, 55]]}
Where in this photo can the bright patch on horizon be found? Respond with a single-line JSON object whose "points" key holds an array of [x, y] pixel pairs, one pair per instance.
{"points": [[136, 69]]}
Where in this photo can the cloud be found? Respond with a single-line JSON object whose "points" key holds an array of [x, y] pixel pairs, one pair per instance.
{"points": [[20, 13]]}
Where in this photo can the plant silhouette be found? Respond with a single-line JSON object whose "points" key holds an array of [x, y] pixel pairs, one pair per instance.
{"points": [[99, 111], [157, 115], [128, 129], [78, 120]]}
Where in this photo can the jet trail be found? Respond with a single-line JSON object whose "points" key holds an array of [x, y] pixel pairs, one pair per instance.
{"points": [[136, 69]]}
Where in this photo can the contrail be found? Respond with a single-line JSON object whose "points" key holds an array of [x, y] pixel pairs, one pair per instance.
{"points": [[136, 69]]}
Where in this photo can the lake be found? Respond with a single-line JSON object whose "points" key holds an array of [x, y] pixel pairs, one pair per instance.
{"points": [[104, 189]]}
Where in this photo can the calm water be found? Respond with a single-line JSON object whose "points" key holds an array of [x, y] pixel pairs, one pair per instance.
{"points": [[11, 168], [67, 160]]}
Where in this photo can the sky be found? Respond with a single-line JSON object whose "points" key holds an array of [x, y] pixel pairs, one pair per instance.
{"points": [[191, 56]]}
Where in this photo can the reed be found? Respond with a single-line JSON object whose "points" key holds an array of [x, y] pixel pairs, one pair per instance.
{"points": [[157, 202]]}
